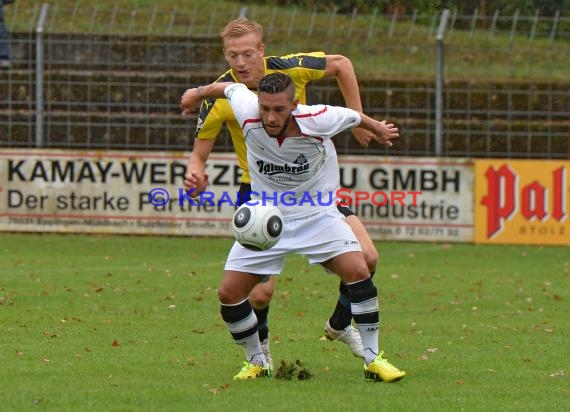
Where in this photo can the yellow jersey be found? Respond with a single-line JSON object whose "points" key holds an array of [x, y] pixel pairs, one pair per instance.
{"points": [[302, 67]]}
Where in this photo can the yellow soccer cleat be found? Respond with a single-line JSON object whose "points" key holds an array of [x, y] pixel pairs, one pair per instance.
{"points": [[380, 370], [252, 371]]}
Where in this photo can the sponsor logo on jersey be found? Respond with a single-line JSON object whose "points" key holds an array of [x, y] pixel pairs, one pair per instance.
{"points": [[298, 167]]}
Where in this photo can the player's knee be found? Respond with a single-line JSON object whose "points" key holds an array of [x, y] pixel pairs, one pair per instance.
{"points": [[371, 257], [223, 295], [229, 296], [360, 270], [261, 295]]}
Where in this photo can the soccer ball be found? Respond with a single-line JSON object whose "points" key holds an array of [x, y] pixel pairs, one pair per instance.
{"points": [[257, 227]]}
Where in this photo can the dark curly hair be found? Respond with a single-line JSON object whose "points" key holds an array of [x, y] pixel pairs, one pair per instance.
{"points": [[277, 83]]}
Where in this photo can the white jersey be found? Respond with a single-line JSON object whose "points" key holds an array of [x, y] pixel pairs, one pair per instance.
{"points": [[298, 174]]}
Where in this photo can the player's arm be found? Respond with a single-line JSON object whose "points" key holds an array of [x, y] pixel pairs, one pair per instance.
{"points": [[192, 98], [196, 179], [341, 68], [381, 131]]}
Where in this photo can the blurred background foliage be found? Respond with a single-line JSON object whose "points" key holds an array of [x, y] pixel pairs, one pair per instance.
{"points": [[484, 7]]}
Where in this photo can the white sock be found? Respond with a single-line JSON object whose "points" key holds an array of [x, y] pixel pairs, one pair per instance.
{"points": [[252, 349], [368, 332]]}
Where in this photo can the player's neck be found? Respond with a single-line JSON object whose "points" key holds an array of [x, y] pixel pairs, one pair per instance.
{"points": [[293, 130]]}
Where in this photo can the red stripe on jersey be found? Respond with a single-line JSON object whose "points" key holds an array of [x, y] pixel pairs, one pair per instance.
{"points": [[246, 121], [281, 139], [298, 116]]}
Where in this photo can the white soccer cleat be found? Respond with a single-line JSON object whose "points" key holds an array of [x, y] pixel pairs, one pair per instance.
{"points": [[267, 353], [348, 335]]}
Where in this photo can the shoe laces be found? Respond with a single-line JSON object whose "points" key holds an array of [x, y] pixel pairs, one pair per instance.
{"points": [[247, 367], [347, 332], [385, 363], [352, 332]]}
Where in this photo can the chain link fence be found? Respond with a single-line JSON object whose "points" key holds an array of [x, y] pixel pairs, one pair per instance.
{"points": [[110, 78]]}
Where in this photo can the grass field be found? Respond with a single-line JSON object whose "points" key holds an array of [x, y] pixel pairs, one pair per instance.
{"points": [[132, 324]]}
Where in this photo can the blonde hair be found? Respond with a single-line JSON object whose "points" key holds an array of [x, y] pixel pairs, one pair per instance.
{"points": [[240, 27]]}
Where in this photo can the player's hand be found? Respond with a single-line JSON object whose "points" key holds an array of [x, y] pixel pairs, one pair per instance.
{"points": [[362, 136], [386, 132], [190, 100], [195, 182]]}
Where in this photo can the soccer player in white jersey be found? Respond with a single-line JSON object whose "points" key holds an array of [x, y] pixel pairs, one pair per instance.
{"points": [[289, 150], [244, 51]]}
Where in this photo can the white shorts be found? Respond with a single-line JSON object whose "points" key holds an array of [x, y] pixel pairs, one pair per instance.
{"points": [[320, 237]]}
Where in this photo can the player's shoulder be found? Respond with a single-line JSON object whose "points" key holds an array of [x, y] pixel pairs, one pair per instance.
{"points": [[322, 114], [226, 77], [240, 92], [304, 111], [311, 60]]}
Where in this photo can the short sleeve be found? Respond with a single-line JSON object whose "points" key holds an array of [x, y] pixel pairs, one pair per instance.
{"points": [[243, 101]]}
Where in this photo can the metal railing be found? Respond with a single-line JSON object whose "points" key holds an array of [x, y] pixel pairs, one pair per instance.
{"points": [[114, 79]]}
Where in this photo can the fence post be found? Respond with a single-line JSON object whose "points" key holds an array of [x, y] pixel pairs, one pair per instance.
{"points": [[371, 26], [331, 24], [439, 80], [393, 23], [554, 25], [493, 24], [40, 76], [272, 22], [534, 24], [152, 18], [172, 20], [514, 26], [312, 25], [473, 22], [292, 23], [354, 13], [93, 18], [412, 25], [452, 24]]}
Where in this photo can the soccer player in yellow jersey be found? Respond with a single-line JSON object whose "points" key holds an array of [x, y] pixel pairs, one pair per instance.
{"points": [[244, 52]]}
